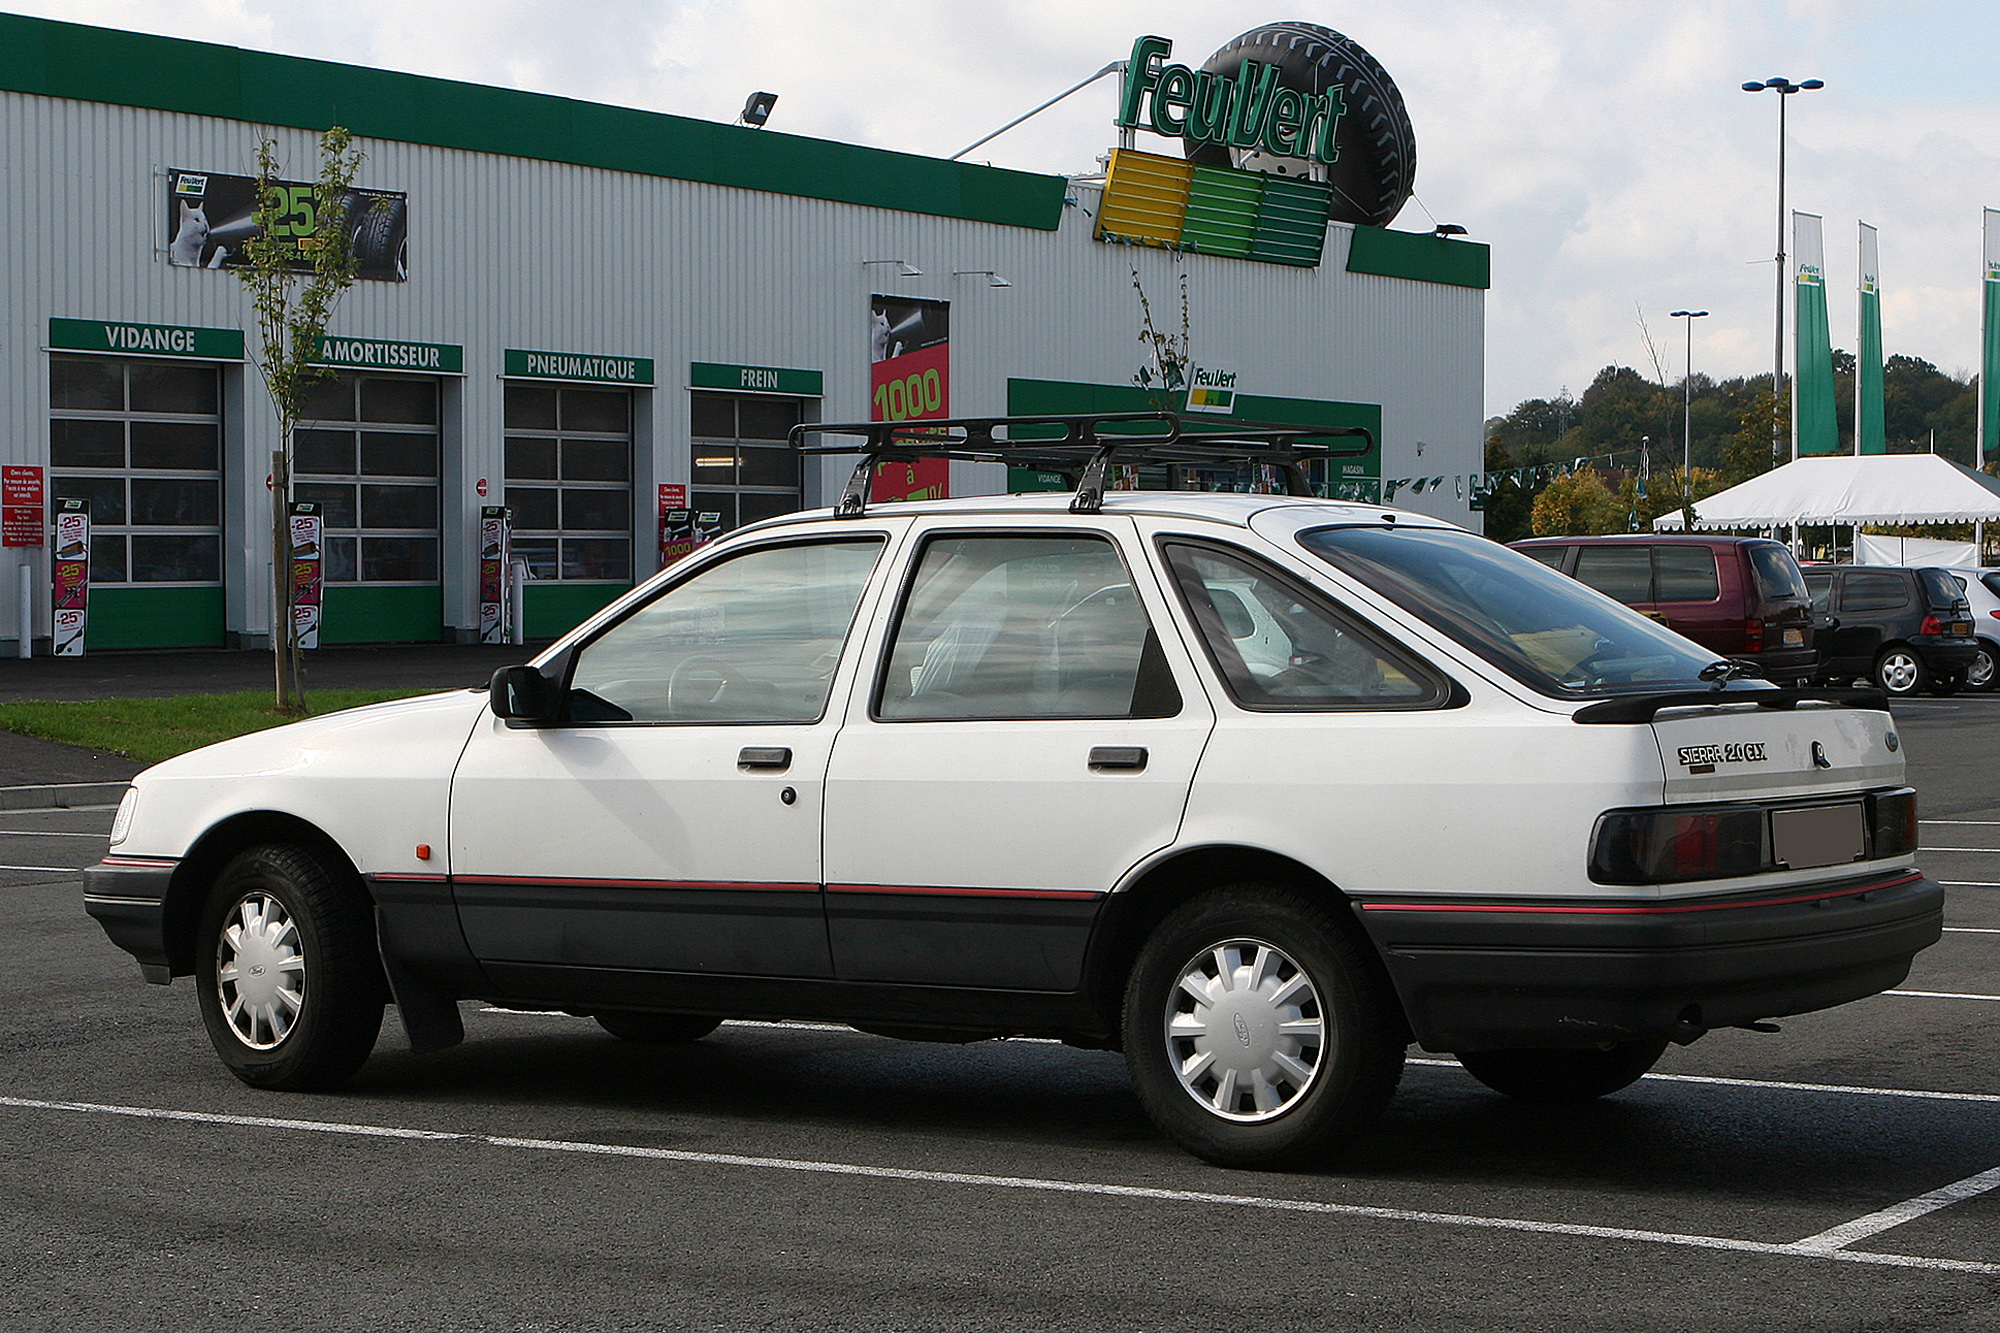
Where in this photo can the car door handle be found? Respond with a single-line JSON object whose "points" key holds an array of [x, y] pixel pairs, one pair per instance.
{"points": [[764, 756], [1117, 756]]}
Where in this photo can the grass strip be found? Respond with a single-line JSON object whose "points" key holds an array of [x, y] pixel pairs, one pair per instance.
{"points": [[149, 730]]}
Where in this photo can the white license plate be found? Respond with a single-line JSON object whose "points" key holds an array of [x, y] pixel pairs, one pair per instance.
{"points": [[1824, 835], [1795, 638]]}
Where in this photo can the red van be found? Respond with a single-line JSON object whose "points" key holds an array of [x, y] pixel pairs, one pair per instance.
{"points": [[1736, 596]]}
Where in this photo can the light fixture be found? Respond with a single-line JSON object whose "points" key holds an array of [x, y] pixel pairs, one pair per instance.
{"points": [[992, 279], [757, 109], [1784, 88], [904, 268], [1444, 229]]}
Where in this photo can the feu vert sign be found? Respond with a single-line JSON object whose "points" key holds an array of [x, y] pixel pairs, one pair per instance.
{"points": [[1248, 110]]}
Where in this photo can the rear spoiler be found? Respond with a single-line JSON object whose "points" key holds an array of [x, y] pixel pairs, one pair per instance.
{"points": [[1644, 707]]}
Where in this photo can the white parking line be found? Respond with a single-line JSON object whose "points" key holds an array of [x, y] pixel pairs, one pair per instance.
{"points": [[1972, 930], [1040, 1184], [1861, 1228], [1849, 1089], [45, 870], [1988, 850], [1970, 883], [49, 833], [1974, 823], [1941, 995]]}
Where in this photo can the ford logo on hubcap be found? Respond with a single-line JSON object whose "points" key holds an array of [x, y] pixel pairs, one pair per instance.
{"points": [[1242, 1030]]}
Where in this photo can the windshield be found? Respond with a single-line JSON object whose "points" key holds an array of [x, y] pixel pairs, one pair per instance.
{"points": [[1546, 630]]}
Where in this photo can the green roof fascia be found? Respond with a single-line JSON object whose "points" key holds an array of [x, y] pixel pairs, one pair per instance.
{"points": [[1420, 257], [48, 58]]}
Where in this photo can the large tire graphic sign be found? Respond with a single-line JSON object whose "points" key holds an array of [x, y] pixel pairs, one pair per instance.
{"points": [[210, 217], [1287, 99]]}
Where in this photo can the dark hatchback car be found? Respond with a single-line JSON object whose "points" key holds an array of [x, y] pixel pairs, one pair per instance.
{"points": [[1739, 597], [1906, 630]]}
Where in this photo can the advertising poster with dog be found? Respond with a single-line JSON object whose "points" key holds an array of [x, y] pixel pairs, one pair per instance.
{"points": [[308, 583], [210, 217], [70, 603], [909, 379]]}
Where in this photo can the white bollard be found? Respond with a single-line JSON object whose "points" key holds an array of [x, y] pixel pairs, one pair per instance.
{"points": [[518, 592], [25, 619]]}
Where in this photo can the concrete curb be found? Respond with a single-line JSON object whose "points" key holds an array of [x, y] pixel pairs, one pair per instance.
{"points": [[62, 796]]}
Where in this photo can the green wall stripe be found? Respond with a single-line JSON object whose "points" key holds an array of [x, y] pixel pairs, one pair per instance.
{"points": [[53, 59], [141, 617], [1420, 257], [556, 609], [363, 613]]}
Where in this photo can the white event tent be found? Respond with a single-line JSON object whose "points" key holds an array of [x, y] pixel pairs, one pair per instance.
{"points": [[1849, 489]]}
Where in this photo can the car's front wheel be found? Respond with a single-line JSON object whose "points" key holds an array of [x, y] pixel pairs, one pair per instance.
{"points": [[1258, 1030], [1900, 672], [290, 987], [1565, 1075]]}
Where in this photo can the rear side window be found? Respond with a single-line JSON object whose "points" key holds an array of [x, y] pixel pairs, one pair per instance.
{"points": [[1552, 556], [1941, 588], [1992, 582], [1873, 592], [1685, 574], [1821, 586], [1777, 573], [1623, 572], [1278, 647]]}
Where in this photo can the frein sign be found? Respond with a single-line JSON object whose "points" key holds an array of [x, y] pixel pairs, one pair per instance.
{"points": [[1252, 110]]}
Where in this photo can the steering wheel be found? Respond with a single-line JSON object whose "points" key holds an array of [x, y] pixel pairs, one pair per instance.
{"points": [[700, 683]]}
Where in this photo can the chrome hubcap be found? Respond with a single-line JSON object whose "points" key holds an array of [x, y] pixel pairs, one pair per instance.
{"points": [[260, 971], [1899, 672], [1245, 1030], [1980, 674]]}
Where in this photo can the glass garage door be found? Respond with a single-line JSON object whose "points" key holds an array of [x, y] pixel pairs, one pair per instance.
{"points": [[742, 466]]}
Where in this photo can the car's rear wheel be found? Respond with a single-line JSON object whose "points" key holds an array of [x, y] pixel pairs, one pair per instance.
{"points": [[290, 987], [1565, 1075], [1979, 677], [1900, 672], [1258, 1029], [656, 1029]]}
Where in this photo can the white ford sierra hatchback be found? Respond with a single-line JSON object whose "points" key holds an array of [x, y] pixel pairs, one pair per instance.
{"points": [[1258, 789]]}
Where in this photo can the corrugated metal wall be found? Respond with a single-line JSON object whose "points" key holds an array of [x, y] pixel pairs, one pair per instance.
{"points": [[508, 252]]}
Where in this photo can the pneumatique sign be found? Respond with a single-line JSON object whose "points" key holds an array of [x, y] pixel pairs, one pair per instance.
{"points": [[211, 216]]}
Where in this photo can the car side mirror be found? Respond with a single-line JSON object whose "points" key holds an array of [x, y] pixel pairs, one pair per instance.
{"points": [[522, 694]]}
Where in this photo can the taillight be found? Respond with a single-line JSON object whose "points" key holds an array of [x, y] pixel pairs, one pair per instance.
{"points": [[1893, 816], [1932, 625], [1669, 845], [1753, 635]]}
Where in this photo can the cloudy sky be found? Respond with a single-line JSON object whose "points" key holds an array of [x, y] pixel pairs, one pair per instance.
{"points": [[1604, 149]]}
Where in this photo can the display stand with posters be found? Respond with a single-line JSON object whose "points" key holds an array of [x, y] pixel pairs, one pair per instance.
{"points": [[308, 572], [496, 541], [70, 606]]}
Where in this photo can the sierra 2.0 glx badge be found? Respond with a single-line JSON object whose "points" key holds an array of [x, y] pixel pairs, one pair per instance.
{"points": [[1704, 758]]}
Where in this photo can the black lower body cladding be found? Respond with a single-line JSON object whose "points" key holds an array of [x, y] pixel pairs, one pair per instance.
{"points": [[1486, 974]]}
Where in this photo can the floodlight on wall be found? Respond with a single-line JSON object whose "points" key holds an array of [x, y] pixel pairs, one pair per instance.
{"points": [[904, 268], [757, 109], [1444, 229], [992, 279]]}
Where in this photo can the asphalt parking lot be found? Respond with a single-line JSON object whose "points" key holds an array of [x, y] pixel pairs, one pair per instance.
{"points": [[1843, 1174]]}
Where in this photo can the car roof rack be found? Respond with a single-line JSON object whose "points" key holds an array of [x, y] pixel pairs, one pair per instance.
{"points": [[1083, 445]]}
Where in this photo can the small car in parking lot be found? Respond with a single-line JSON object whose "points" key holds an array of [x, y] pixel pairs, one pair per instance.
{"points": [[1904, 630], [1982, 595], [1257, 789], [1740, 597]]}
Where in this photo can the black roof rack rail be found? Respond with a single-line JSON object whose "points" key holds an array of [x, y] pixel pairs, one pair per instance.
{"points": [[1087, 444]]}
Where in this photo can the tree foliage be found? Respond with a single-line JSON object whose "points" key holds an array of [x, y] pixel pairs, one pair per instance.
{"points": [[292, 306]]}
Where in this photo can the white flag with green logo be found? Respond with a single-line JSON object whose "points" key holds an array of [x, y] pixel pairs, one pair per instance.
{"points": [[1815, 429], [1989, 364], [1870, 434]]}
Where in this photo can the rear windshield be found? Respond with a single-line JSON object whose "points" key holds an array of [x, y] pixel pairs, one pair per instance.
{"points": [[1777, 573], [1941, 588], [1549, 632]]}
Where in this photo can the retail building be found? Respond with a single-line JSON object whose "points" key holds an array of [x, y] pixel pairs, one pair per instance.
{"points": [[598, 316]]}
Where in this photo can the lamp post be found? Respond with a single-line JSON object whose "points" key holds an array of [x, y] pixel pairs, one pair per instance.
{"points": [[1687, 421], [1784, 88]]}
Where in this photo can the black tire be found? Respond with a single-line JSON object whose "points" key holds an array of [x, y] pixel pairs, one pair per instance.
{"points": [[381, 235], [656, 1029], [1899, 672], [1946, 685], [1984, 672], [1565, 1075], [1351, 1071], [294, 917], [1377, 166]]}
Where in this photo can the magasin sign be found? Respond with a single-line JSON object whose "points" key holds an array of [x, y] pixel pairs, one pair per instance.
{"points": [[1250, 109]]}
